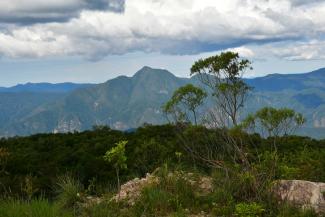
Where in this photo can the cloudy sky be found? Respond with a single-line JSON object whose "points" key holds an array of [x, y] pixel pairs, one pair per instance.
{"points": [[94, 40]]}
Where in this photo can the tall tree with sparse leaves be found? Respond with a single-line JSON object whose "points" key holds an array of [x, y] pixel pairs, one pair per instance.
{"points": [[274, 122], [223, 75]]}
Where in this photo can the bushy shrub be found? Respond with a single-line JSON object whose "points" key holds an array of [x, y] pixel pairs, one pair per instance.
{"points": [[69, 191], [249, 210], [286, 210], [105, 209]]}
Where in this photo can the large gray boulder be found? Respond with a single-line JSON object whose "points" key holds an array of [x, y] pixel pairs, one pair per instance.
{"points": [[303, 194]]}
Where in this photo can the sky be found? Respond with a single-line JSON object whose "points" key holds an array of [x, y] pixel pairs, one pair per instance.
{"points": [[91, 41]]}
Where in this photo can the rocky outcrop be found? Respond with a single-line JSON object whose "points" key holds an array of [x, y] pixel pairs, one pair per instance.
{"points": [[131, 190], [303, 194]]}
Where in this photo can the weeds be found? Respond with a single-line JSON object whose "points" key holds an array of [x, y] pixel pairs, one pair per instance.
{"points": [[33, 208], [69, 192]]}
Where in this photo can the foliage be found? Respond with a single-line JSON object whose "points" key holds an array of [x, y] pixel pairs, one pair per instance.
{"points": [[275, 122], [222, 74], [185, 98], [286, 210], [28, 187], [33, 208], [249, 210], [69, 192], [48, 156], [103, 210], [4, 156], [116, 155], [173, 194]]}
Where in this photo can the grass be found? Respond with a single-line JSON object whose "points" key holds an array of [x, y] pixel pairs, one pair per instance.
{"points": [[34, 208], [69, 192]]}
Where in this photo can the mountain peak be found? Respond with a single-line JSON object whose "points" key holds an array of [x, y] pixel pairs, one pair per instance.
{"points": [[146, 68], [148, 71]]}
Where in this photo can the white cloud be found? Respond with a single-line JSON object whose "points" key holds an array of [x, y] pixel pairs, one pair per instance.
{"points": [[311, 50], [243, 51], [171, 26]]}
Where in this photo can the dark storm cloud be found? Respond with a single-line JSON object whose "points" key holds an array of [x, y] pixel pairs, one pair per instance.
{"points": [[112, 5], [13, 12], [305, 2]]}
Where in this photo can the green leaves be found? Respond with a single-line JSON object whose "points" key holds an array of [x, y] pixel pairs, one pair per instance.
{"points": [[185, 98], [222, 74], [249, 210], [226, 62], [274, 121], [116, 155]]}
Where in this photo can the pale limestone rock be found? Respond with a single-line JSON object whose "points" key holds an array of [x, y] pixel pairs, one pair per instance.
{"points": [[131, 190], [303, 194]]}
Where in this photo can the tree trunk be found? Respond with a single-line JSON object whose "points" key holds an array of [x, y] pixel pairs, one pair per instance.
{"points": [[118, 183], [194, 114], [234, 121]]}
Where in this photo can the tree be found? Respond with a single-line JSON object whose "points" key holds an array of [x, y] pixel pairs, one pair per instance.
{"points": [[116, 155], [185, 98], [274, 122], [223, 75]]}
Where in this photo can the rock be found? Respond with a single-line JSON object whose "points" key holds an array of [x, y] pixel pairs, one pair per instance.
{"points": [[131, 190], [303, 194], [87, 201], [206, 184]]}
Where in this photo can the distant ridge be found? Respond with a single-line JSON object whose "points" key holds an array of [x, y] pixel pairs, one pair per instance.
{"points": [[277, 82], [44, 87]]}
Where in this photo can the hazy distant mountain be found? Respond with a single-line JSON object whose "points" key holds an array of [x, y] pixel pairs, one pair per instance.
{"points": [[279, 82], [18, 101], [14, 106], [128, 102], [44, 87]]}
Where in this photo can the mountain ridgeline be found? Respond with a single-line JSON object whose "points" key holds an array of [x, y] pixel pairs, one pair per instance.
{"points": [[128, 102]]}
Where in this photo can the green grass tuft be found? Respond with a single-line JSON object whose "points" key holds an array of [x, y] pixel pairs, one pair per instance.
{"points": [[34, 208]]}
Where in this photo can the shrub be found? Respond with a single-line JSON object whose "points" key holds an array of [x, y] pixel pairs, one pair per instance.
{"points": [[290, 211], [172, 195], [104, 210], [69, 191], [154, 201], [249, 210]]}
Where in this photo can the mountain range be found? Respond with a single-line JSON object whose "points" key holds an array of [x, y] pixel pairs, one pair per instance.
{"points": [[128, 102]]}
